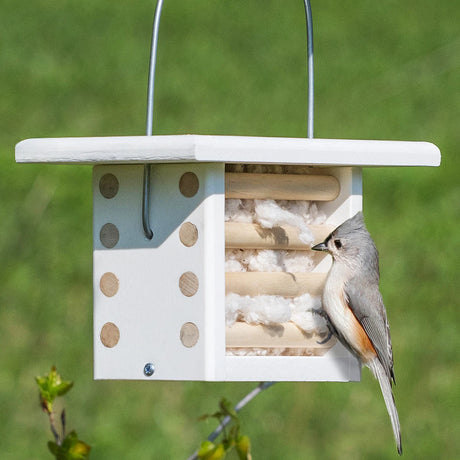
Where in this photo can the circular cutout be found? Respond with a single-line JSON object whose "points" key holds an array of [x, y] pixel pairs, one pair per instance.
{"points": [[188, 284], [189, 335], [110, 335], [189, 184], [108, 186], [188, 234], [109, 235], [109, 284]]}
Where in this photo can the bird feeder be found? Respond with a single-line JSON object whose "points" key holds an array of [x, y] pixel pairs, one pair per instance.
{"points": [[162, 284]]}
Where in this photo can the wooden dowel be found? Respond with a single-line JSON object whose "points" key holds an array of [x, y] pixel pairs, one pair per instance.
{"points": [[253, 236], [281, 186], [286, 335], [274, 283]]}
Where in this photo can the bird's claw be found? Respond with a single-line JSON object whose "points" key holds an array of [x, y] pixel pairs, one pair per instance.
{"points": [[323, 314], [329, 336]]}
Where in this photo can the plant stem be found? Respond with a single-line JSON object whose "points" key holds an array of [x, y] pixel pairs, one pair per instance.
{"points": [[251, 395], [53, 428]]}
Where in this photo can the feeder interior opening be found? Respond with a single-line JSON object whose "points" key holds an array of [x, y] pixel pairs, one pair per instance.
{"points": [[273, 215]]}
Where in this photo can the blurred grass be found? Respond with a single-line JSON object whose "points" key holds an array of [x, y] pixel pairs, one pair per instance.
{"points": [[384, 70]]}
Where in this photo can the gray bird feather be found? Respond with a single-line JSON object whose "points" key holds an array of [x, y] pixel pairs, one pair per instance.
{"points": [[354, 278], [373, 320], [385, 385]]}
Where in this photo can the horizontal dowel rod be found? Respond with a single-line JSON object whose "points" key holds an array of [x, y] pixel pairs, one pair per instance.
{"points": [[281, 186], [274, 283], [253, 236], [286, 335]]}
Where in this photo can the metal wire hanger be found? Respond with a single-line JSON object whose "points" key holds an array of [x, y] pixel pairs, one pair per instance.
{"points": [[151, 93]]}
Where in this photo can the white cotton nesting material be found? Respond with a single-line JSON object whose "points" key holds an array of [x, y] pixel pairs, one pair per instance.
{"points": [[269, 214], [270, 352], [268, 260], [268, 309], [274, 213]]}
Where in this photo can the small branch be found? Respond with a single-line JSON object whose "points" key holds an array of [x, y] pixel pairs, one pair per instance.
{"points": [[63, 423], [53, 428], [251, 395]]}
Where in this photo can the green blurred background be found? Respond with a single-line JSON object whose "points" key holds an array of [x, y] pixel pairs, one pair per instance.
{"points": [[384, 70]]}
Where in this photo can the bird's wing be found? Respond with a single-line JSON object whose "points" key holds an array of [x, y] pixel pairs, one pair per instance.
{"points": [[365, 301]]}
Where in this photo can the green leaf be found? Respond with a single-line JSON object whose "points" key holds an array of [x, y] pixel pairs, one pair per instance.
{"points": [[231, 436], [228, 444], [79, 451], [210, 451], [51, 386], [234, 431], [243, 448], [63, 387], [72, 448], [205, 448], [227, 409], [53, 448], [217, 415]]}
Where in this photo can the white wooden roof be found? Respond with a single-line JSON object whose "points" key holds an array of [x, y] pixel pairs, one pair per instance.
{"points": [[229, 149]]}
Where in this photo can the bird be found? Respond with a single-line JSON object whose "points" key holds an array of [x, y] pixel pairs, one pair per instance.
{"points": [[354, 308]]}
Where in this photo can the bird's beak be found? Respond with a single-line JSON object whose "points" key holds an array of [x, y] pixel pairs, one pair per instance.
{"points": [[320, 247]]}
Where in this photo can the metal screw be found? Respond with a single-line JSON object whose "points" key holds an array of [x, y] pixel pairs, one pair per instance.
{"points": [[149, 369]]}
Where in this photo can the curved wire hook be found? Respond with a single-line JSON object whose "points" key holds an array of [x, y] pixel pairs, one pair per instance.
{"points": [[149, 128], [151, 90], [311, 96]]}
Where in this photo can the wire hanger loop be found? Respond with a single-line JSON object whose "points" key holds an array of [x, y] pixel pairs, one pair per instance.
{"points": [[151, 97]]}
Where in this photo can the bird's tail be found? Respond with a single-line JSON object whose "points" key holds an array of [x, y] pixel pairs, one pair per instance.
{"points": [[379, 372]]}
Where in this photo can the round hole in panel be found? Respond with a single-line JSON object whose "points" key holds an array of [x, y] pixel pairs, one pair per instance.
{"points": [[188, 284], [110, 335], [109, 284], [189, 335], [109, 235], [189, 184], [188, 234], [108, 186]]}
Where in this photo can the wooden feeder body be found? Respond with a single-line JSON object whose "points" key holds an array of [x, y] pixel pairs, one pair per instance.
{"points": [[162, 301]]}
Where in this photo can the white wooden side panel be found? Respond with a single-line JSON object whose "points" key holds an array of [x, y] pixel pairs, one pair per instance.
{"points": [[337, 365], [149, 309], [346, 205]]}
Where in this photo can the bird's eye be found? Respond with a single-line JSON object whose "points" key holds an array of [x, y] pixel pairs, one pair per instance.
{"points": [[338, 244]]}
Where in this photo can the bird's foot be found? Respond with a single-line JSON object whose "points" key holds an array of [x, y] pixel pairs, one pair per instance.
{"points": [[324, 315], [329, 336]]}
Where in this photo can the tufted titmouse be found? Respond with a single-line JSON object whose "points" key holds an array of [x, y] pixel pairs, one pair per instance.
{"points": [[354, 306]]}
